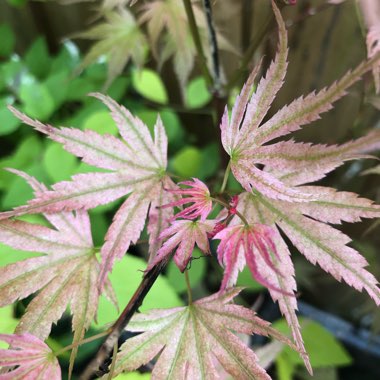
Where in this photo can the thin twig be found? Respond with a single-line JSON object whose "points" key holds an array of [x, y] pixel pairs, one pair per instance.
{"points": [[135, 302], [197, 41], [213, 45]]}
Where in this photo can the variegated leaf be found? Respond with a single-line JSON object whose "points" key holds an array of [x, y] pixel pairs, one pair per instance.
{"points": [[28, 358], [66, 273], [138, 163], [190, 339], [287, 164]]}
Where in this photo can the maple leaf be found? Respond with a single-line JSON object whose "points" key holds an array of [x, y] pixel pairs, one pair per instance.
{"points": [[196, 193], [138, 165], [119, 39], [189, 339], [183, 236], [66, 274], [305, 226], [170, 35], [275, 196], [243, 134], [33, 358], [371, 17], [239, 245]]}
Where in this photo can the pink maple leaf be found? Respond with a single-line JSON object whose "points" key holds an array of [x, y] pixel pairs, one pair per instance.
{"points": [[240, 245], [33, 358], [65, 274], [198, 194], [137, 163], [183, 235], [276, 195], [244, 133]]}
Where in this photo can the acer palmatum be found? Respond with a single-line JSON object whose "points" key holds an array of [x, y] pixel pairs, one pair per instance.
{"points": [[278, 199]]}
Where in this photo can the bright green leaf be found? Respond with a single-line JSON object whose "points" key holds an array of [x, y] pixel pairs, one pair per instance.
{"points": [[196, 273], [101, 122], [323, 348], [19, 192], [187, 162], [133, 376], [37, 100], [9, 72], [57, 85], [197, 94], [26, 153], [148, 84], [7, 323], [8, 122], [285, 368], [58, 163], [126, 277], [246, 280]]}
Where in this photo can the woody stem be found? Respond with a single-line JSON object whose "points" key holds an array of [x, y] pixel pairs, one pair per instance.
{"points": [[150, 276]]}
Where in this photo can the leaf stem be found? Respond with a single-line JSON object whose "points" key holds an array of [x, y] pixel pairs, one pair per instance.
{"points": [[225, 178], [197, 41], [189, 295], [83, 341], [150, 276], [227, 206]]}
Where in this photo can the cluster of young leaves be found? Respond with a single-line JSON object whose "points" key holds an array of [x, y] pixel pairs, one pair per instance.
{"points": [[120, 37], [276, 199]]}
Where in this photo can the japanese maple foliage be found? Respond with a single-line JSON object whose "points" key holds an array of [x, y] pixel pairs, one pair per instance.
{"points": [[278, 199], [191, 340], [66, 273], [33, 358]]}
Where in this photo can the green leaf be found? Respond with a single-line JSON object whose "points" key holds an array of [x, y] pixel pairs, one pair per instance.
{"points": [[26, 153], [67, 59], [9, 71], [246, 280], [78, 88], [58, 163], [187, 162], [324, 350], [99, 227], [37, 100], [101, 122], [285, 368], [118, 88], [171, 123], [210, 161], [9, 255], [197, 95], [57, 85], [126, 277], [196, 273], [37, 59], [17, 3], [8, 323], [7, 39], [133, 376], [148, 84], [8, 122], [19, 192]]}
